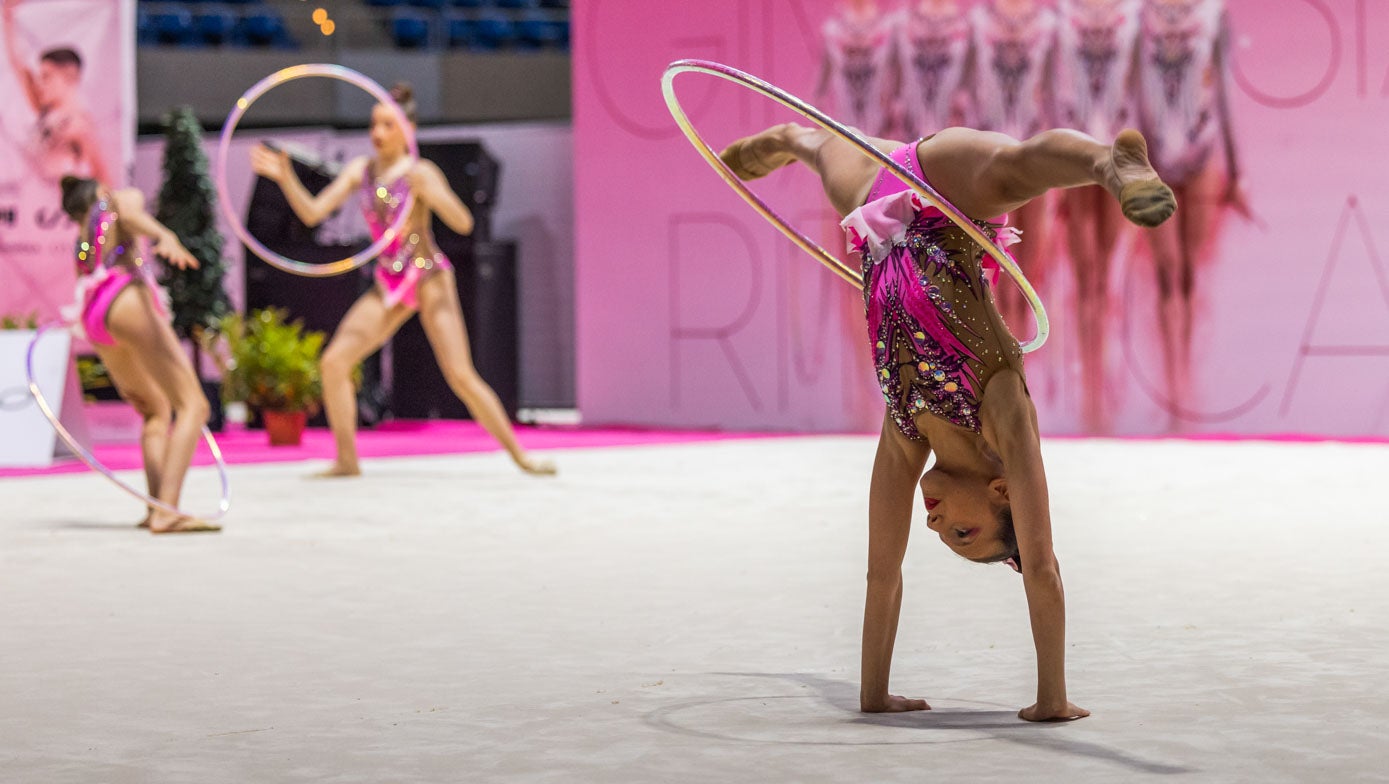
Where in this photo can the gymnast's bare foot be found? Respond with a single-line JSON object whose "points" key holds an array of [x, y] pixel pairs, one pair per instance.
{"points": [[761, 154], [339, 469], [145, 523], [1143, 196], [535, 466], [166, 523]]}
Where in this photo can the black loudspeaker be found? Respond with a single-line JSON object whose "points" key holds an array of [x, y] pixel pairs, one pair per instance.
{"points": [[474, 175], [486, 276], [319, 303]]}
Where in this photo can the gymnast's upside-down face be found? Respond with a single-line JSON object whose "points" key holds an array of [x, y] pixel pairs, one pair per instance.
{"points": [[965, 511]]}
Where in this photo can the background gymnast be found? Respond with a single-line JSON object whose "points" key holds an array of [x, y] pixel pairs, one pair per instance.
{"points": [[121, 312], [412, 275]]}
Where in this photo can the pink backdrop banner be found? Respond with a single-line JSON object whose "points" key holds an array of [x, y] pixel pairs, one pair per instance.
{"points": [[692, 311], [84, 127]]}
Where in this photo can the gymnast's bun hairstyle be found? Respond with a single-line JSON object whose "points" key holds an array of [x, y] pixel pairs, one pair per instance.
{"points": [[403, 94], [79, 194]]}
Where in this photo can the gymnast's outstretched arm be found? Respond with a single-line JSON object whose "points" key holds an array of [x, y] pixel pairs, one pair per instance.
{"points": [[312, 209], [130, 211]]}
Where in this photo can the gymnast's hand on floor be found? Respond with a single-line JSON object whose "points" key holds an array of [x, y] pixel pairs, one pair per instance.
{"points": [[1039, 712], [173, 252], [893, 704]]}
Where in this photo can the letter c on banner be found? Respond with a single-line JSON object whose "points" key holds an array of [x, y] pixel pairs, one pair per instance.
{"points": [[1333, 65]]}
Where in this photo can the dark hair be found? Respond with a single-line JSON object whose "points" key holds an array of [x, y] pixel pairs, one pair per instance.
{"points": [[403, 94], [62, 56], [79, 194], [1009, 537]]}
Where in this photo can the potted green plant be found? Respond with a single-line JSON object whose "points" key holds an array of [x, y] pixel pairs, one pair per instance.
{"points": [[272, 365]]}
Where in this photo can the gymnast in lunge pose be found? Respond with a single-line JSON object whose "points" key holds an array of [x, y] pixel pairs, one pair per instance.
{"points": [[950, 371], [121, 311], [1094, 93], [1184, 110], [412, 275]]}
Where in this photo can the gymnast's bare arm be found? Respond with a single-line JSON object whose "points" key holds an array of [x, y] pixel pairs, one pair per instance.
{"points": [[432, 190], [15, 54], [896, 470], [130, 210], [312, 209], [1009, 423]]}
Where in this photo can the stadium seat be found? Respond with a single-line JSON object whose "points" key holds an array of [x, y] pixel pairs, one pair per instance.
{"points": [[264, 27], [460, 31], [409, 29], [215, 25], [493, 31], [173, 26]]}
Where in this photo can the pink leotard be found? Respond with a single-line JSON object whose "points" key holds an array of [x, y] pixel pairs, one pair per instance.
{"points": [[408, 259], [105, 266], [936, 335]]}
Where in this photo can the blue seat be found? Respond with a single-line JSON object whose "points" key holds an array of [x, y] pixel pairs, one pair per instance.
{"points": [[564, 4], [535, 33], [516, 3], [144, 28], [459, 31], [385, 3], [215, 25], [493, 31], [471, 3], [431, 4], [173, 26], [410, 30], [263, 27]]}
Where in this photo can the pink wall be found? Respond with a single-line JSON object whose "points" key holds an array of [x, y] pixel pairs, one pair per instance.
{"points": [[691, 311]]}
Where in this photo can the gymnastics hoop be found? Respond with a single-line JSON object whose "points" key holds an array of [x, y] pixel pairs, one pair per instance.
{"points": [[284, 263], [823, 120], [96, 465]]}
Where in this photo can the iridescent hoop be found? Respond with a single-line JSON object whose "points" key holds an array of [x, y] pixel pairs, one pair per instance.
{"points": [[96, 465], [243, 103], [849, 135]]}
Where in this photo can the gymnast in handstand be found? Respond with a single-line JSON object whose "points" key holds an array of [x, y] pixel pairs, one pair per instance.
{"points": [[948, 367]]}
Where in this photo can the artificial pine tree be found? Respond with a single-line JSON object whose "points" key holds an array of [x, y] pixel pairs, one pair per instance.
{"points": [[187, 205]]}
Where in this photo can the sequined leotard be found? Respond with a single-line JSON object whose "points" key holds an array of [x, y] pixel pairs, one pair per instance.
{"points": [[409, 258], [936, 335], [106, 264]]}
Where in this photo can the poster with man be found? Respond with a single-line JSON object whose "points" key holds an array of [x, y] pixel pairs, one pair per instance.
{"points": [[67, 82]]}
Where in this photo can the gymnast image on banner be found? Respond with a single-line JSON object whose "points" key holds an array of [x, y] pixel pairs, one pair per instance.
{"points": [[63, 138]]}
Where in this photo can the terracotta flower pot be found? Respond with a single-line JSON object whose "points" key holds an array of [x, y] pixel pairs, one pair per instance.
{"points": [[285, 428]]}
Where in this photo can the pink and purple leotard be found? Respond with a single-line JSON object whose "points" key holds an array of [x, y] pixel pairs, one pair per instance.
{"points": [[106, 264], [936, 335], [409, 258]]}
